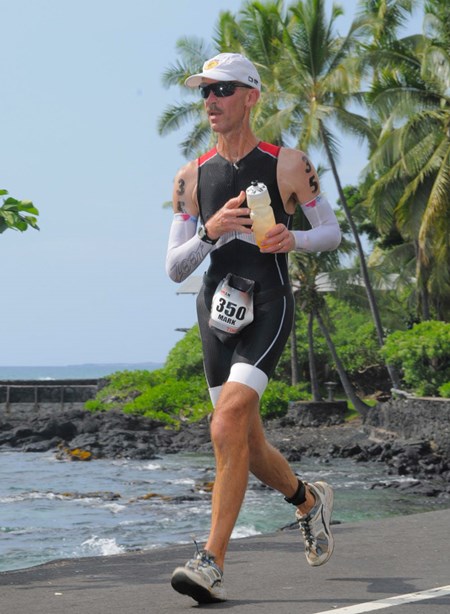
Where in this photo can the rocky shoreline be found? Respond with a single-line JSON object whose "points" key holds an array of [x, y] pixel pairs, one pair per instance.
{"points": [[76, 434]]}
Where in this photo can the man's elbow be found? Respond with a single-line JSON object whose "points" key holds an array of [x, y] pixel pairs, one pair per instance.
{"points": [[336, 238], [332, 238], [175, 272], [175, 275]]}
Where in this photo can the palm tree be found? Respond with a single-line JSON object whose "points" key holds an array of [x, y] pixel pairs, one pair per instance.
{"points": [[306, 272], [384, 18], [305, 269], [411, 162], [320, 84]]}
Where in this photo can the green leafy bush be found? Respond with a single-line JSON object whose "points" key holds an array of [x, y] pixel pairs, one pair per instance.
{"points": [[172, 401], [122, 387], [444, 390], [185, 359], [167, 399], [95, 405], [275, 400], [353, 334], [154, 394], [423, 356]]}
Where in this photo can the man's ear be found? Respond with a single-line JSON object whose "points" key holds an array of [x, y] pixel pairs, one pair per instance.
{"points": [[252, 97]]}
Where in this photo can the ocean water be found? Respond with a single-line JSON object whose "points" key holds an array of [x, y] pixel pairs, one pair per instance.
{"points": [[81, 371], [52, 509]]}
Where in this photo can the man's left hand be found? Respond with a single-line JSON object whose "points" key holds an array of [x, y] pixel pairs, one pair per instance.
{"points": [[278, 240]]}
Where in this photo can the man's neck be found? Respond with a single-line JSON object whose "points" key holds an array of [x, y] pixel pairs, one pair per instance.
{"points": [[234, 147]]}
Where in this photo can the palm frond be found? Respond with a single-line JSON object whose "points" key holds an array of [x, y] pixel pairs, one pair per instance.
{"points": [[197, 141], [176, 115]]}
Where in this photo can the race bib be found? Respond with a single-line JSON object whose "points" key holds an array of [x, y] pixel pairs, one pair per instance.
{"points": [[232, 304]]}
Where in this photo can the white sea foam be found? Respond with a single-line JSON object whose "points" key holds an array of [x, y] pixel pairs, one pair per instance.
{"points": [[27, 496], [187, 481], [241, 532], [151, 467], [99, 546]]}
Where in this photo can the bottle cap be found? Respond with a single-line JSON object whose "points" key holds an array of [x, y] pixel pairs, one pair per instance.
{"points": [[256, 188], [257, 194]]}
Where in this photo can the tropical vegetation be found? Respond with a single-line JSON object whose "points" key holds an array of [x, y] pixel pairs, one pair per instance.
{"points": [[423, 355]]}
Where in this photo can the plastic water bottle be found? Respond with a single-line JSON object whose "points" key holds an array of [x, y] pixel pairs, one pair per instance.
{"points": [[262, 216]]}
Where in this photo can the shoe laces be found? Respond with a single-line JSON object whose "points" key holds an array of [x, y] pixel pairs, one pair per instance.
{"points": [[203, 556], [305, 528], [305, 524]]}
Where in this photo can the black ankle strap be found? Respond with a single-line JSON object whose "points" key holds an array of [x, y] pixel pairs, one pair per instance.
{"points": [[300, 495]]}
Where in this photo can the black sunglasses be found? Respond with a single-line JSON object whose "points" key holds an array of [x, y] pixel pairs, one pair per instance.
{"points": [[221, 89]]}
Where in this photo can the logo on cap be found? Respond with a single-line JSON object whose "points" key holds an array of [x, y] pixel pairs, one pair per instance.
{"points": [[211, 64]]}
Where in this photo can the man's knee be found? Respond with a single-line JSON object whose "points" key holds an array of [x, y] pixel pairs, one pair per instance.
{"points": [[227, 426], [232, 415]]}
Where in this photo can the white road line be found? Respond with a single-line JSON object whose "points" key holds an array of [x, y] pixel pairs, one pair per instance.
{"points": [[388, 602]]}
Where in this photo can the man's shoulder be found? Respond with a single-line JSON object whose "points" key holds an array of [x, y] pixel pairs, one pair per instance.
{"points": [[291, 152], [269, 148], [290, 158], [284, 154], [187, 169], [206, 156]]}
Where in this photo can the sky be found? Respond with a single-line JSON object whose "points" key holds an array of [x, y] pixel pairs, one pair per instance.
{"points": [[81, 97]]}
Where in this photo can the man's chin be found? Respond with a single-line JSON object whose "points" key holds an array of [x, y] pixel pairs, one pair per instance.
{"points": [[215, 125]]}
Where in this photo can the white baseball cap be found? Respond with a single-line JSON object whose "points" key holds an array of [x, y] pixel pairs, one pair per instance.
{"points": [[227, 67]]}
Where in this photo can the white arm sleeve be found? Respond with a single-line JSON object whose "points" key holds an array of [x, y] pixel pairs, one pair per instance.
{"points": [[185, 250], [325, 234]]}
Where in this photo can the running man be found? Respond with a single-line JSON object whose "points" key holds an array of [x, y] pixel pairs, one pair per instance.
{"points": [[211, 218]]}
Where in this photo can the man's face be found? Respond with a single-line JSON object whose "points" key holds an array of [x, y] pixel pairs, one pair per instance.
{"points": [[228, 111]]}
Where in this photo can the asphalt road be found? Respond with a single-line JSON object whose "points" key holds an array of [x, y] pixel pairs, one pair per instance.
{"points": [[399, 565]]}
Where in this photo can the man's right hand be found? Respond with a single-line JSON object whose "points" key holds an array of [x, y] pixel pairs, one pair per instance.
{"points": [[230, 218]]}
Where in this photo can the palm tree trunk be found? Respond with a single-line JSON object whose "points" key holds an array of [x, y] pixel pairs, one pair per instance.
{"points": [[358, 404], [294, 355], [312, 361], [423, 303], [362, 258]]}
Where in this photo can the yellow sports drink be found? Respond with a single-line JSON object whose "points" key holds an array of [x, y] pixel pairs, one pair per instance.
{"points": [[262, 216]]}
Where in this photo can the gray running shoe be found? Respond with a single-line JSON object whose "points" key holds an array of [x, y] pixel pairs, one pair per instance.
{"points": [[201, 579], [315, 526]]}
